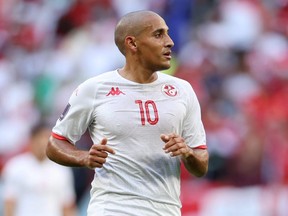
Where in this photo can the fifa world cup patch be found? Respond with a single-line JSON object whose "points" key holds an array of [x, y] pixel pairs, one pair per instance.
{"points": [[65, 112]]}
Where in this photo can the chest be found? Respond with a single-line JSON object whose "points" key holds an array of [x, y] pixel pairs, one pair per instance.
{"points": [[123, 109]]}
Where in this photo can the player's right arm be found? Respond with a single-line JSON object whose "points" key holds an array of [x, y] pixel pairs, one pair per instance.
{"points": [[72, 124], [65, 153]]}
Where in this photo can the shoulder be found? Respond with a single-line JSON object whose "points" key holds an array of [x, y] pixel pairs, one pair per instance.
{"points": [[89, 87], [17, 162], [19, 159]]}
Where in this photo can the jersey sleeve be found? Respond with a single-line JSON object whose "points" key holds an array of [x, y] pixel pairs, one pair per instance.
{"points": [[194, 132], [77, 115]]}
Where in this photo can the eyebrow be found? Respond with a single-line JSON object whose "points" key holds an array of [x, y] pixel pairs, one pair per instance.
{"points": [[161, 30]]}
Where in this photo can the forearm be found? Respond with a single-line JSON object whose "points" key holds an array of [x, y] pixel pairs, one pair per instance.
{"points": [[65, 153], [196, 162], [9, 207], [69, 210]]}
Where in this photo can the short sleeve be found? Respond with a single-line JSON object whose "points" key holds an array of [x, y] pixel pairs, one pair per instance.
{"points": [[77, 115], [193, 129]]}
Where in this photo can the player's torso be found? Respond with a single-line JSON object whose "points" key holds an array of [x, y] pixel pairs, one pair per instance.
{"points": [[132, 116], [127, 108]]}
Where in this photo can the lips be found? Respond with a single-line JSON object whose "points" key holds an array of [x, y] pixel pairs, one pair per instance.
{"points": [[167, 54]]}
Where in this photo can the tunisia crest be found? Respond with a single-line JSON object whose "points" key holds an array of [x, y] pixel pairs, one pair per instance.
{"points": [[169, 90]]}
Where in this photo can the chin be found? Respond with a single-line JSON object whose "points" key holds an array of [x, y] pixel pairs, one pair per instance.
{"points": [[161, 67], [166, 67]]}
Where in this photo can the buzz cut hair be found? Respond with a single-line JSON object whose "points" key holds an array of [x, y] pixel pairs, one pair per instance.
{"points": [[130, 24]]}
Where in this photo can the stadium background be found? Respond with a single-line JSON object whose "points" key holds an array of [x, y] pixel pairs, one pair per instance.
{"points": [[234, 53]]}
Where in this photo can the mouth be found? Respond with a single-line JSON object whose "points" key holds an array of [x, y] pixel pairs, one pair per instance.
{"points": [[168, 55]]}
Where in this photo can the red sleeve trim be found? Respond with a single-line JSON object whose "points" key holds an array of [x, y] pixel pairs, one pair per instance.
{"points": [[201, 147], [59, 137]]}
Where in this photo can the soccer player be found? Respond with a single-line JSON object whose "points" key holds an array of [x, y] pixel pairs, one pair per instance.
{"points": [[144, 123], [34, 185]]}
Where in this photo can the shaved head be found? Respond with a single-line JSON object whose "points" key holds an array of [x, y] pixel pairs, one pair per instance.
{"points": [[131, 24]]}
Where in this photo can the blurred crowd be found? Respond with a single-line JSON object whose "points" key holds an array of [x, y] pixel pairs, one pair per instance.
{"points": [[233, 52]]}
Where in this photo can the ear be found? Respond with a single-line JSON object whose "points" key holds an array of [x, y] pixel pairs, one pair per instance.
{"points": [[131, 43]]}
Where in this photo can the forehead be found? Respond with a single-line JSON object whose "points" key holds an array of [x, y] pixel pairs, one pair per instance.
{"points": [[153, 23]]}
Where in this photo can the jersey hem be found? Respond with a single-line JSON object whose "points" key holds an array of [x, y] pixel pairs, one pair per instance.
{"points": [[201, 147], [57, 136]]}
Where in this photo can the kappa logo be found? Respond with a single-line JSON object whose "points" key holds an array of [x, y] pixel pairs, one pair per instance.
{"points": [[115, 91]]}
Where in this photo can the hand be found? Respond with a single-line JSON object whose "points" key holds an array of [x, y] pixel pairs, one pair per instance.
{"points": [[175, 145], [98, 154]]}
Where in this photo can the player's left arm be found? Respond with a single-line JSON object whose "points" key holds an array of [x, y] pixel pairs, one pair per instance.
{"points": [[194, 159]]}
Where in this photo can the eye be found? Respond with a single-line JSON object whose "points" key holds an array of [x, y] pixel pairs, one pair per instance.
{"points": [[158, 35]]}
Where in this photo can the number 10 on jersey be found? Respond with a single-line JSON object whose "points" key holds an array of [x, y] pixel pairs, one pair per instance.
{"points": [[148, 112]]}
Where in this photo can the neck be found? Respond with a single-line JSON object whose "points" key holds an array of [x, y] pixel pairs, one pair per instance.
{"points": [[139, 76]]}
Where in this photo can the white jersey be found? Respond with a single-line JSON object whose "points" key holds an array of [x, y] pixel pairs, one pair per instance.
{"points": [[39, 188], [140, 179]]}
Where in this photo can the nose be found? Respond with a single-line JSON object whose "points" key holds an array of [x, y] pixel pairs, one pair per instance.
{"points": [[169, 42]]}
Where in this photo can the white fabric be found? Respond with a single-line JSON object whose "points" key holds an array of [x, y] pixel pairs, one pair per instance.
{"points": [[140, 179], [38, 188]]}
